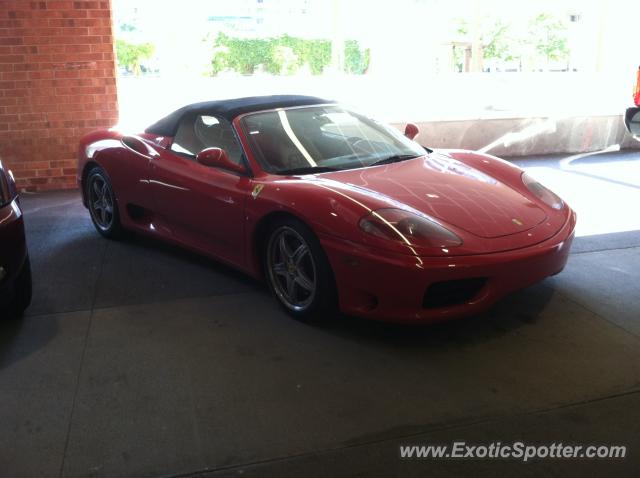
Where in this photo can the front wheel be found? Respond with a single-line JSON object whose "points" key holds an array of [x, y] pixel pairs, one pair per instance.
{"points": [[298, 271]]}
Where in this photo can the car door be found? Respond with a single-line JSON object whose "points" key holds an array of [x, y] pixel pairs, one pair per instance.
{"points": [[203, 206]]}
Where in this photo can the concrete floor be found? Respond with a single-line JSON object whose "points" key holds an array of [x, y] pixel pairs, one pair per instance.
{"points": [[138, 359]]}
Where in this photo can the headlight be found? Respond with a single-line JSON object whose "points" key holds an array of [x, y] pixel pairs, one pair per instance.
{"points": [[408, 228], [547, 196]]}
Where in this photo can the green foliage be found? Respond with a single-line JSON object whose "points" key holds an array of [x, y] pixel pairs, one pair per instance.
{"points": [[246, 55], [130, 55], [286, 59], [317, 54], [458, 59], [283, 55], [463, 27], [219, 60], [356, 60], [497, 43], [549, 37], [542, 38]]}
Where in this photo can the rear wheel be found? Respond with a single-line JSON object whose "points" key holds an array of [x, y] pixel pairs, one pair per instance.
{"points": [[298, 271], [102, 204]]}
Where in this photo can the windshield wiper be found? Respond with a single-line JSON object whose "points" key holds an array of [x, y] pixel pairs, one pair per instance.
{"points": [[394, 159], [308, 170]]}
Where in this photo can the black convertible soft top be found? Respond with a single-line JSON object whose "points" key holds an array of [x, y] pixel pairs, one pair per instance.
{"points": [[230, 109]]}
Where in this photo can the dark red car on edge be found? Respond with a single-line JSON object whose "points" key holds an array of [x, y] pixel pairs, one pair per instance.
{"points": [[332, 208], [15, 268]]}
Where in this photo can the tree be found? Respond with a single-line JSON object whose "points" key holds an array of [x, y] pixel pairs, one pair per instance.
{"points": [[498, 43], [549, 38], [542, 38], [285, 59], [130, 55], [356, 60], [283, 55], [220, 59], [317, 54]]}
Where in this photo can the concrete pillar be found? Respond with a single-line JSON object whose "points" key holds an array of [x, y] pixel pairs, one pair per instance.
{"points": [[337, 38], [57, 82], [476, 39]]}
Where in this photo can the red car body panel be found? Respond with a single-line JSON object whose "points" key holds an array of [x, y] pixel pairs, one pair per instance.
{"points": [[451, 192], [383, 286], [511, 239]]}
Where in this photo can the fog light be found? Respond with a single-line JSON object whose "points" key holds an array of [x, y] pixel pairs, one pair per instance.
{"points": [[3, 273]]}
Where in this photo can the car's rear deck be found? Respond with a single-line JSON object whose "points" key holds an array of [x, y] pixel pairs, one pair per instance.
{"points": [[139, 359]]}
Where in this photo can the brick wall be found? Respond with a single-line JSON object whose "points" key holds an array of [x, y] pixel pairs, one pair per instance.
{"points": [[57, 82]]}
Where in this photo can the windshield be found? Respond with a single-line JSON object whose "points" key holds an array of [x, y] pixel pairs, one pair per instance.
{"points": [[323, 138]]}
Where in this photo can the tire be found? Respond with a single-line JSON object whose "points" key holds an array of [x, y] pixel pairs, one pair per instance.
{"points": [[102, 204], [298, 271], [22, 291]]}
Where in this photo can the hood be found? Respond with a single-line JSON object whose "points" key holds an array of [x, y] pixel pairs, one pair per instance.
{"points": [[450, 191]]}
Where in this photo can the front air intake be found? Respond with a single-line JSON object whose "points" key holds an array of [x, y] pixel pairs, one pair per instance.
{"points": [[452, 292]]}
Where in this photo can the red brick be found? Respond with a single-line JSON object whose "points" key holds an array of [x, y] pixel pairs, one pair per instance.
{"points": [[57, 82], [40, 75], [11, 41], [63, 164], [49, 172], [17, 14], [92, 22], [86, 5], [66, 73], [60, 5], [17, 50], [13, 75], [24, 173], [79, 48], [74, 14], [12, 59], [99, 13]]}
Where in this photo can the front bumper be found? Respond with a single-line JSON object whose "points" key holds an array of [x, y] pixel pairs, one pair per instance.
{"points": [[392, 287]]}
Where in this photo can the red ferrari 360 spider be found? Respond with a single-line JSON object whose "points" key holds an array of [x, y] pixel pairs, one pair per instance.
{"points": [[332, 208]]}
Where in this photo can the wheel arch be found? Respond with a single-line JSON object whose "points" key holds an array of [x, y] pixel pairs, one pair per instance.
{"points": [[331, 300], [85, 172], [259, 237]]}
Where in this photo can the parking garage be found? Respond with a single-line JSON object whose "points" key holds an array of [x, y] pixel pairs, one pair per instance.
{"points": [[137, 357]]}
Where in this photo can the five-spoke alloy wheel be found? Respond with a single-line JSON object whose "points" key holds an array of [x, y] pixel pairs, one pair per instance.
{"points": [[292, 269], [298, 271], [102, 203]]}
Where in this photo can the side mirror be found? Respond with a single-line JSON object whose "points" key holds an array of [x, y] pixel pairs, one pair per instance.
{"points": [[218, 158], [411, 130]]}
